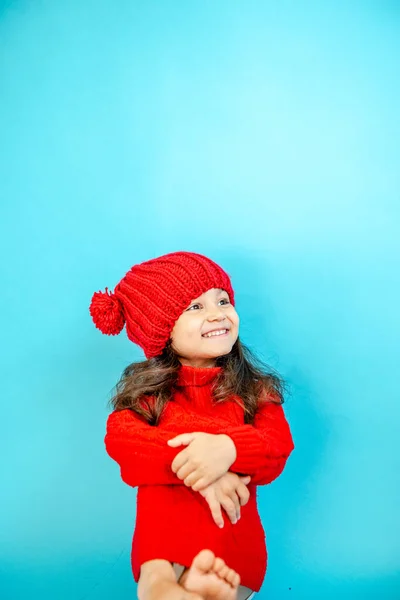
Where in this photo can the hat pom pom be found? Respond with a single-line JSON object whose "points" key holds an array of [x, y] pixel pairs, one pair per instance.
{"points": [[106, 311]]}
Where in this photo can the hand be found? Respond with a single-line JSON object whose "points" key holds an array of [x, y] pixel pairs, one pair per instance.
{"points": [[206, 458], [229, 491]]}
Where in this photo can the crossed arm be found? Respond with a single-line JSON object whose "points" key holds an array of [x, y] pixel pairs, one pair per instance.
{"points": [[145, 457]]}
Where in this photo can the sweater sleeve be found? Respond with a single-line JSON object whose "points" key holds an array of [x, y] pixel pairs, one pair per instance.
{"points": [[140, 449], [264, 447]]}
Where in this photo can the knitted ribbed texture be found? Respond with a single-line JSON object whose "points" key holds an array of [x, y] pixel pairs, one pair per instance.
{"points": [[174, 522], [152, 296]]}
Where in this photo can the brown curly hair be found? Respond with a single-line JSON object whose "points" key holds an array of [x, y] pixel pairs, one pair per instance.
{"points": [[243, 375]]}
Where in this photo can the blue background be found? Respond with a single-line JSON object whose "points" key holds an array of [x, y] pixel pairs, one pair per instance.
{"points": [[266, 136]]}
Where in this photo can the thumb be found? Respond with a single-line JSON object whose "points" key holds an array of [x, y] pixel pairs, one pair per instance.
{"points": [[181, 440]]}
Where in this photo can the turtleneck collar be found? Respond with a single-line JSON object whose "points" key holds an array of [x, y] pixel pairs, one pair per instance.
{"points": [[188, 375]]}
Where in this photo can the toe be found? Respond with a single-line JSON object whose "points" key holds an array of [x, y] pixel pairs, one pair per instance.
{"points": [[236, 580], [233, 578], [224, 572], [204, 561], [218, 564], [230, 576]]}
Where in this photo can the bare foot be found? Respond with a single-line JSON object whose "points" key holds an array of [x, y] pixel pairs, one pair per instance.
{"points": [[168, 590], [211, 578]]}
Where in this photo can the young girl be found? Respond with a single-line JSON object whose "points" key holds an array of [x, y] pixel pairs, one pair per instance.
{"points": [[196, 426]]}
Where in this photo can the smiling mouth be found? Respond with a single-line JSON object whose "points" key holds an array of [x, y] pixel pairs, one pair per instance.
{"points": [[216, 334]]}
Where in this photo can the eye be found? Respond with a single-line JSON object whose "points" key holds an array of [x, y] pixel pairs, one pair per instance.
{"points": [[193, 306], [222, 300]]}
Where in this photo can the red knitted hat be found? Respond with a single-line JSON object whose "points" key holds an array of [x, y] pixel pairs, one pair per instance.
{"points": [[152, 296]]}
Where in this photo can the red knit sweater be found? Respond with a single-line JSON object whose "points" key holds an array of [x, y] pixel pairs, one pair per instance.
{"points": [[173, 522]]}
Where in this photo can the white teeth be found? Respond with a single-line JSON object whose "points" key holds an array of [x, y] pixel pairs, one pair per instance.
{"points": [[219, 332]]}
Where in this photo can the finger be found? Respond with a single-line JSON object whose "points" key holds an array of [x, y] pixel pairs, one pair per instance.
{"points": [[192, 478], [246, 479], [243, 494], [181, 440], [230, 509], [185, 471], [235, 500], [216, 512], [179, 460], [202, 483]]}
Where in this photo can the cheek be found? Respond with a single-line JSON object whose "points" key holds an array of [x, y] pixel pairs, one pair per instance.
{"points": [[193, 330], [186, 330], [234, 317]]}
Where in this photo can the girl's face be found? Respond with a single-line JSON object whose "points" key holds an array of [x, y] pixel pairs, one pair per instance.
{"points": [[212, 311]]}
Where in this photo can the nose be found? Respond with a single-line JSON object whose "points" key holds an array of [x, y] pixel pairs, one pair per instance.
{"points": [[216, 315]]}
